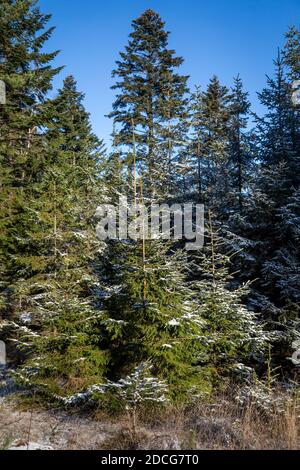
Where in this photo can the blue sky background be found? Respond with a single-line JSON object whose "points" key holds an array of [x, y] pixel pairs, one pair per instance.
{"points": [[222, 37]]}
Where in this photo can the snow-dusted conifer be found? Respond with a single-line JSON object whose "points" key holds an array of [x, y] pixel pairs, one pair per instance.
{"points": [[232, 337], [56, 288]]}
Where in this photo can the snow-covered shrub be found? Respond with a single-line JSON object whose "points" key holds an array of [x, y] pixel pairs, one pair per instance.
{"points": [[138, 388], [269, 400]]}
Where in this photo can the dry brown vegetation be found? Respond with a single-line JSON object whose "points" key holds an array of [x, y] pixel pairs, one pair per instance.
{"points": [[221, 425]]}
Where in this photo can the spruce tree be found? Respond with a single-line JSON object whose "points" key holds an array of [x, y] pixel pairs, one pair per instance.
{"points": [[58, 289], [26, 70], [275, 130], [232, 338], [272, 213], [278, 178], [239, 145], [242, 166], [215, 116], [291, 52], [150, 107], [148, 307], [151, 315], [195, 147]]}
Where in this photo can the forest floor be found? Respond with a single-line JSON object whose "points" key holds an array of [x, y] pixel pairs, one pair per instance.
{"points": [[221, 425]]}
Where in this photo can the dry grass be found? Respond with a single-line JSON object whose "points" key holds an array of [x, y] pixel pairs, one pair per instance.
{"points": [[223, 424]]}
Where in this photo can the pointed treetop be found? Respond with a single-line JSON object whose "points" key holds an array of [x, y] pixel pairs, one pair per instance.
{"points": [[150, 13], [149, 24]]}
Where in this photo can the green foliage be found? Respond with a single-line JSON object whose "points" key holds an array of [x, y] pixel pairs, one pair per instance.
{"points": [[54, 290], [232, 337], [27, 72], [151, 104], [137, 389], [151, 314], [89, 318]]}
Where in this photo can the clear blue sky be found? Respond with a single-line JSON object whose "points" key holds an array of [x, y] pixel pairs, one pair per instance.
{"points": [[222, 37]]}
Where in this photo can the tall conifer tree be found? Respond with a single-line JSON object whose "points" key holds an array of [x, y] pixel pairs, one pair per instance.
{"points": [[58, 312], [232, 337], [150, 109], [27, 73], [214, 122], [239, 145], [272, 215]]}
